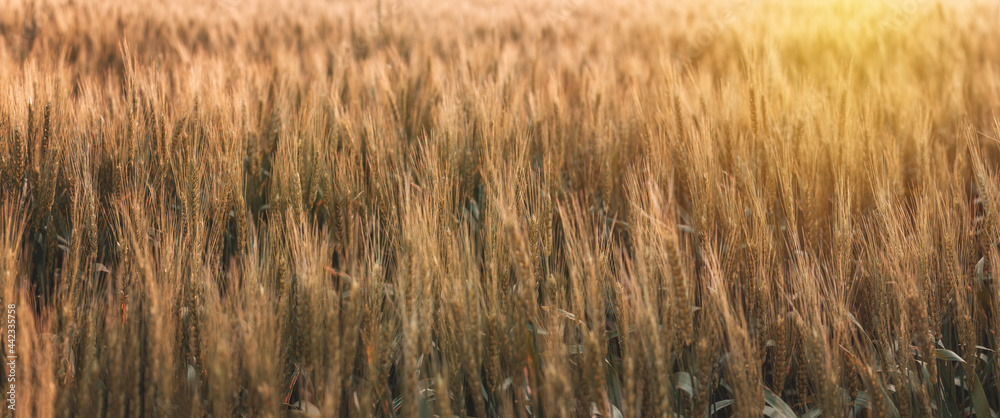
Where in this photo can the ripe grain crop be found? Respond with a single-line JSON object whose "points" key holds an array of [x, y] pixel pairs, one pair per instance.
{"points": [[479, 208]]}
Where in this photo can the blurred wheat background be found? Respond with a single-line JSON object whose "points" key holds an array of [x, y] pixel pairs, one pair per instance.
{"points": [[471, 208]]}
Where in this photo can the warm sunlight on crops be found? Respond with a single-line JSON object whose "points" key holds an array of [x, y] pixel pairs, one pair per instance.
{"points": [[500, 208]]}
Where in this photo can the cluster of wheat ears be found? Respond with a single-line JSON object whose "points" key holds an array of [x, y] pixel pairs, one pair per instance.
{"points": [[572, 208]]}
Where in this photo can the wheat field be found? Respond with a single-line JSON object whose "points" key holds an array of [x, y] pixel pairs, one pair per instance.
{"points": [[560, 208]]}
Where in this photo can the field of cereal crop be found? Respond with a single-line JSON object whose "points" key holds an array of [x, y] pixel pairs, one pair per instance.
{"points": [[558, 208]]}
